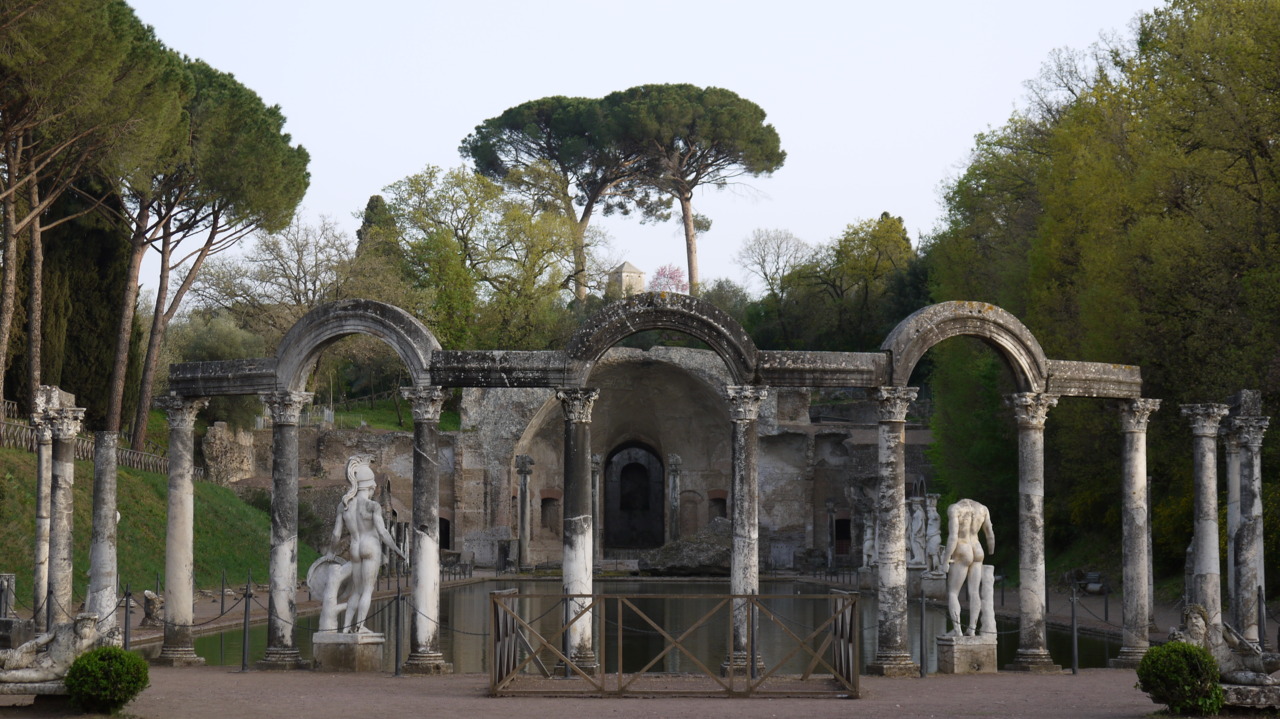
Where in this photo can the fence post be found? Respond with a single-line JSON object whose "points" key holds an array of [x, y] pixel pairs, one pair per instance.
{"points": [[244, 636], [128, 614], [1075, 635], [399, 601]]}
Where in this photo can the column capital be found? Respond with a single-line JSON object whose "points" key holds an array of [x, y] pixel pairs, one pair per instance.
{"points": [[286, 407], [179, 410], [1249, 430], [1136, 413], [744, 401], [1030, 409], [1205, 417], [524, 464], [65, 422], [44, 431], [894, 402], [425, 402], [577, 402], [674, 461]]}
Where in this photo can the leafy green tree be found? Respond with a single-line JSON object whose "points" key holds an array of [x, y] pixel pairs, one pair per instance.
{"points": [[561, 153], [84, 86], [691, 137], [237, 172]]}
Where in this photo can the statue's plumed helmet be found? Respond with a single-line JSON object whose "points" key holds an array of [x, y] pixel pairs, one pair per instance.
{"points": [[359, 476]]}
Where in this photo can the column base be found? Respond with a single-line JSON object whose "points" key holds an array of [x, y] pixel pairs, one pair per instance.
{"points": [[1035, 661], [426, 663], [739, 665], [893, 665], [282, 660], [178, 657], [1128, 658]]}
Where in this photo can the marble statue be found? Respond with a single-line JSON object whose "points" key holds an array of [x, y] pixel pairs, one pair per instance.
{"points": [[1239, 660], [917, 536], [965, 520], [48, 657], [361, 517], [935, 564], [329, 578]]}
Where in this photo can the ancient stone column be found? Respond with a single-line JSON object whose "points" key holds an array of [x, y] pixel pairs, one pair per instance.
{"points": [[101, 599], [524, 468], [744, 503], [179, 557], [282, 611], [893, 651], [1134, 414], [1030, 410], [673, 497], [426, 657], [1231, 447], [65, 422], [578, 536], [1248, 539], [597, 502], [44, 486], [1206, 567]]}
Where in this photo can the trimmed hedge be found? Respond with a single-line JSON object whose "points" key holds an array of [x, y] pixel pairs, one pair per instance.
{"points": [[1183, 677], [103, 680]]}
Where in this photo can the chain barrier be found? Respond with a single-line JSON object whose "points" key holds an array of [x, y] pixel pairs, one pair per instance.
{"points": [[385, 607], [167, 623]]}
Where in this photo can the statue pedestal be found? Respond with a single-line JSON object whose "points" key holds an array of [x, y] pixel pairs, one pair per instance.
{"points": [[967, 655], [342, 652]]}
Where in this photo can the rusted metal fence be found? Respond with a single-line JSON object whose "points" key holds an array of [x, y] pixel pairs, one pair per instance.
{"points": [[827, 653]]}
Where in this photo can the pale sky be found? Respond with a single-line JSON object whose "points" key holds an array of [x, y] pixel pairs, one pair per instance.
{"points": [[876, 103]]}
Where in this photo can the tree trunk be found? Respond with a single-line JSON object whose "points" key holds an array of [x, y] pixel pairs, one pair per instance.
{"points": [[35, 300], [115, 398], [580, 251], [690, 242], [8, 287], [159, 324]]}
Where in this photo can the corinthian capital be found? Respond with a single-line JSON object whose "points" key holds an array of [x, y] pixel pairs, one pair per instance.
{"points": [[894, 402], [744, 401], [1135, 413], [286, 407], [1250, 430], [181, 411], [577, 403], [1205, 417], [424, 402], [65, 422], [1031, 408]]}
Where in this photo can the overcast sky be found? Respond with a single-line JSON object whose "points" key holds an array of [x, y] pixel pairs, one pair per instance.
{"points": [[877, 103]]}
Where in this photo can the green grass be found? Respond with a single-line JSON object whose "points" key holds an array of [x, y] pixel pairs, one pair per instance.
{"points": [[229, 534]]}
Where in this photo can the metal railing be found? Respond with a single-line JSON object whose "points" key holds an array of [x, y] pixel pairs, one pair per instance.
{"points": [[16, 435], [829, 651]]}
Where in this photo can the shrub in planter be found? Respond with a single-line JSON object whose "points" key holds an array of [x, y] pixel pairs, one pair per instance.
{"points": [[103, 680], [1183, 677]]}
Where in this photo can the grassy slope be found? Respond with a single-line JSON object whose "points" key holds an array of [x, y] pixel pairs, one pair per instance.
{"points": [[229, 534]]}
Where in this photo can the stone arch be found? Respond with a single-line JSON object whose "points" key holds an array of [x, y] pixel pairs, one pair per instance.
{"points": [[926, 327], [665, 311], [327, 324]]}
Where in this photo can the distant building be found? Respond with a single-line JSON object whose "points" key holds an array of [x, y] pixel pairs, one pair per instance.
{"points": [[626, 279]]}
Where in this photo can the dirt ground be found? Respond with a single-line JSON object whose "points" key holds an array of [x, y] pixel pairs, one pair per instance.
{"points": [[220, 693], [216, 693]]}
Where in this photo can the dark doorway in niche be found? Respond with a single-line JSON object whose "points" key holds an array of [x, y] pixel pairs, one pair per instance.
{"points": [[634, 480]]}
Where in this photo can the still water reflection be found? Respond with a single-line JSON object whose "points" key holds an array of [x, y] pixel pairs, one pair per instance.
{"points": [[465, 625]]}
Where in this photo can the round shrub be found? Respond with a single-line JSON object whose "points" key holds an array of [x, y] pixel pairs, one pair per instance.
{"points": [[1183, 677], [103, 680]]}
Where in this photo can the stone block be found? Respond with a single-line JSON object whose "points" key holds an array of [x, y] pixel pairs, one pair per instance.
{"points": [[343, 652], [967, 655], [13, 632]]}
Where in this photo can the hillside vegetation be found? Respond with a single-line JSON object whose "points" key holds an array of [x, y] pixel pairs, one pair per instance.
{"points": [[229, 534]]}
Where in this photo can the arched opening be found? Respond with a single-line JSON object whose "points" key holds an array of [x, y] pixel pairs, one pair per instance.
{"points": [[634, 485]]}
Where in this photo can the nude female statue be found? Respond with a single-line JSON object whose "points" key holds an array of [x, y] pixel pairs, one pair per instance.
{"points": [[362, 519], [965, 519]]}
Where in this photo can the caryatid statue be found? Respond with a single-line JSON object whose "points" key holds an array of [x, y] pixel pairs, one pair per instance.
{"points": [[965, 520]]}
